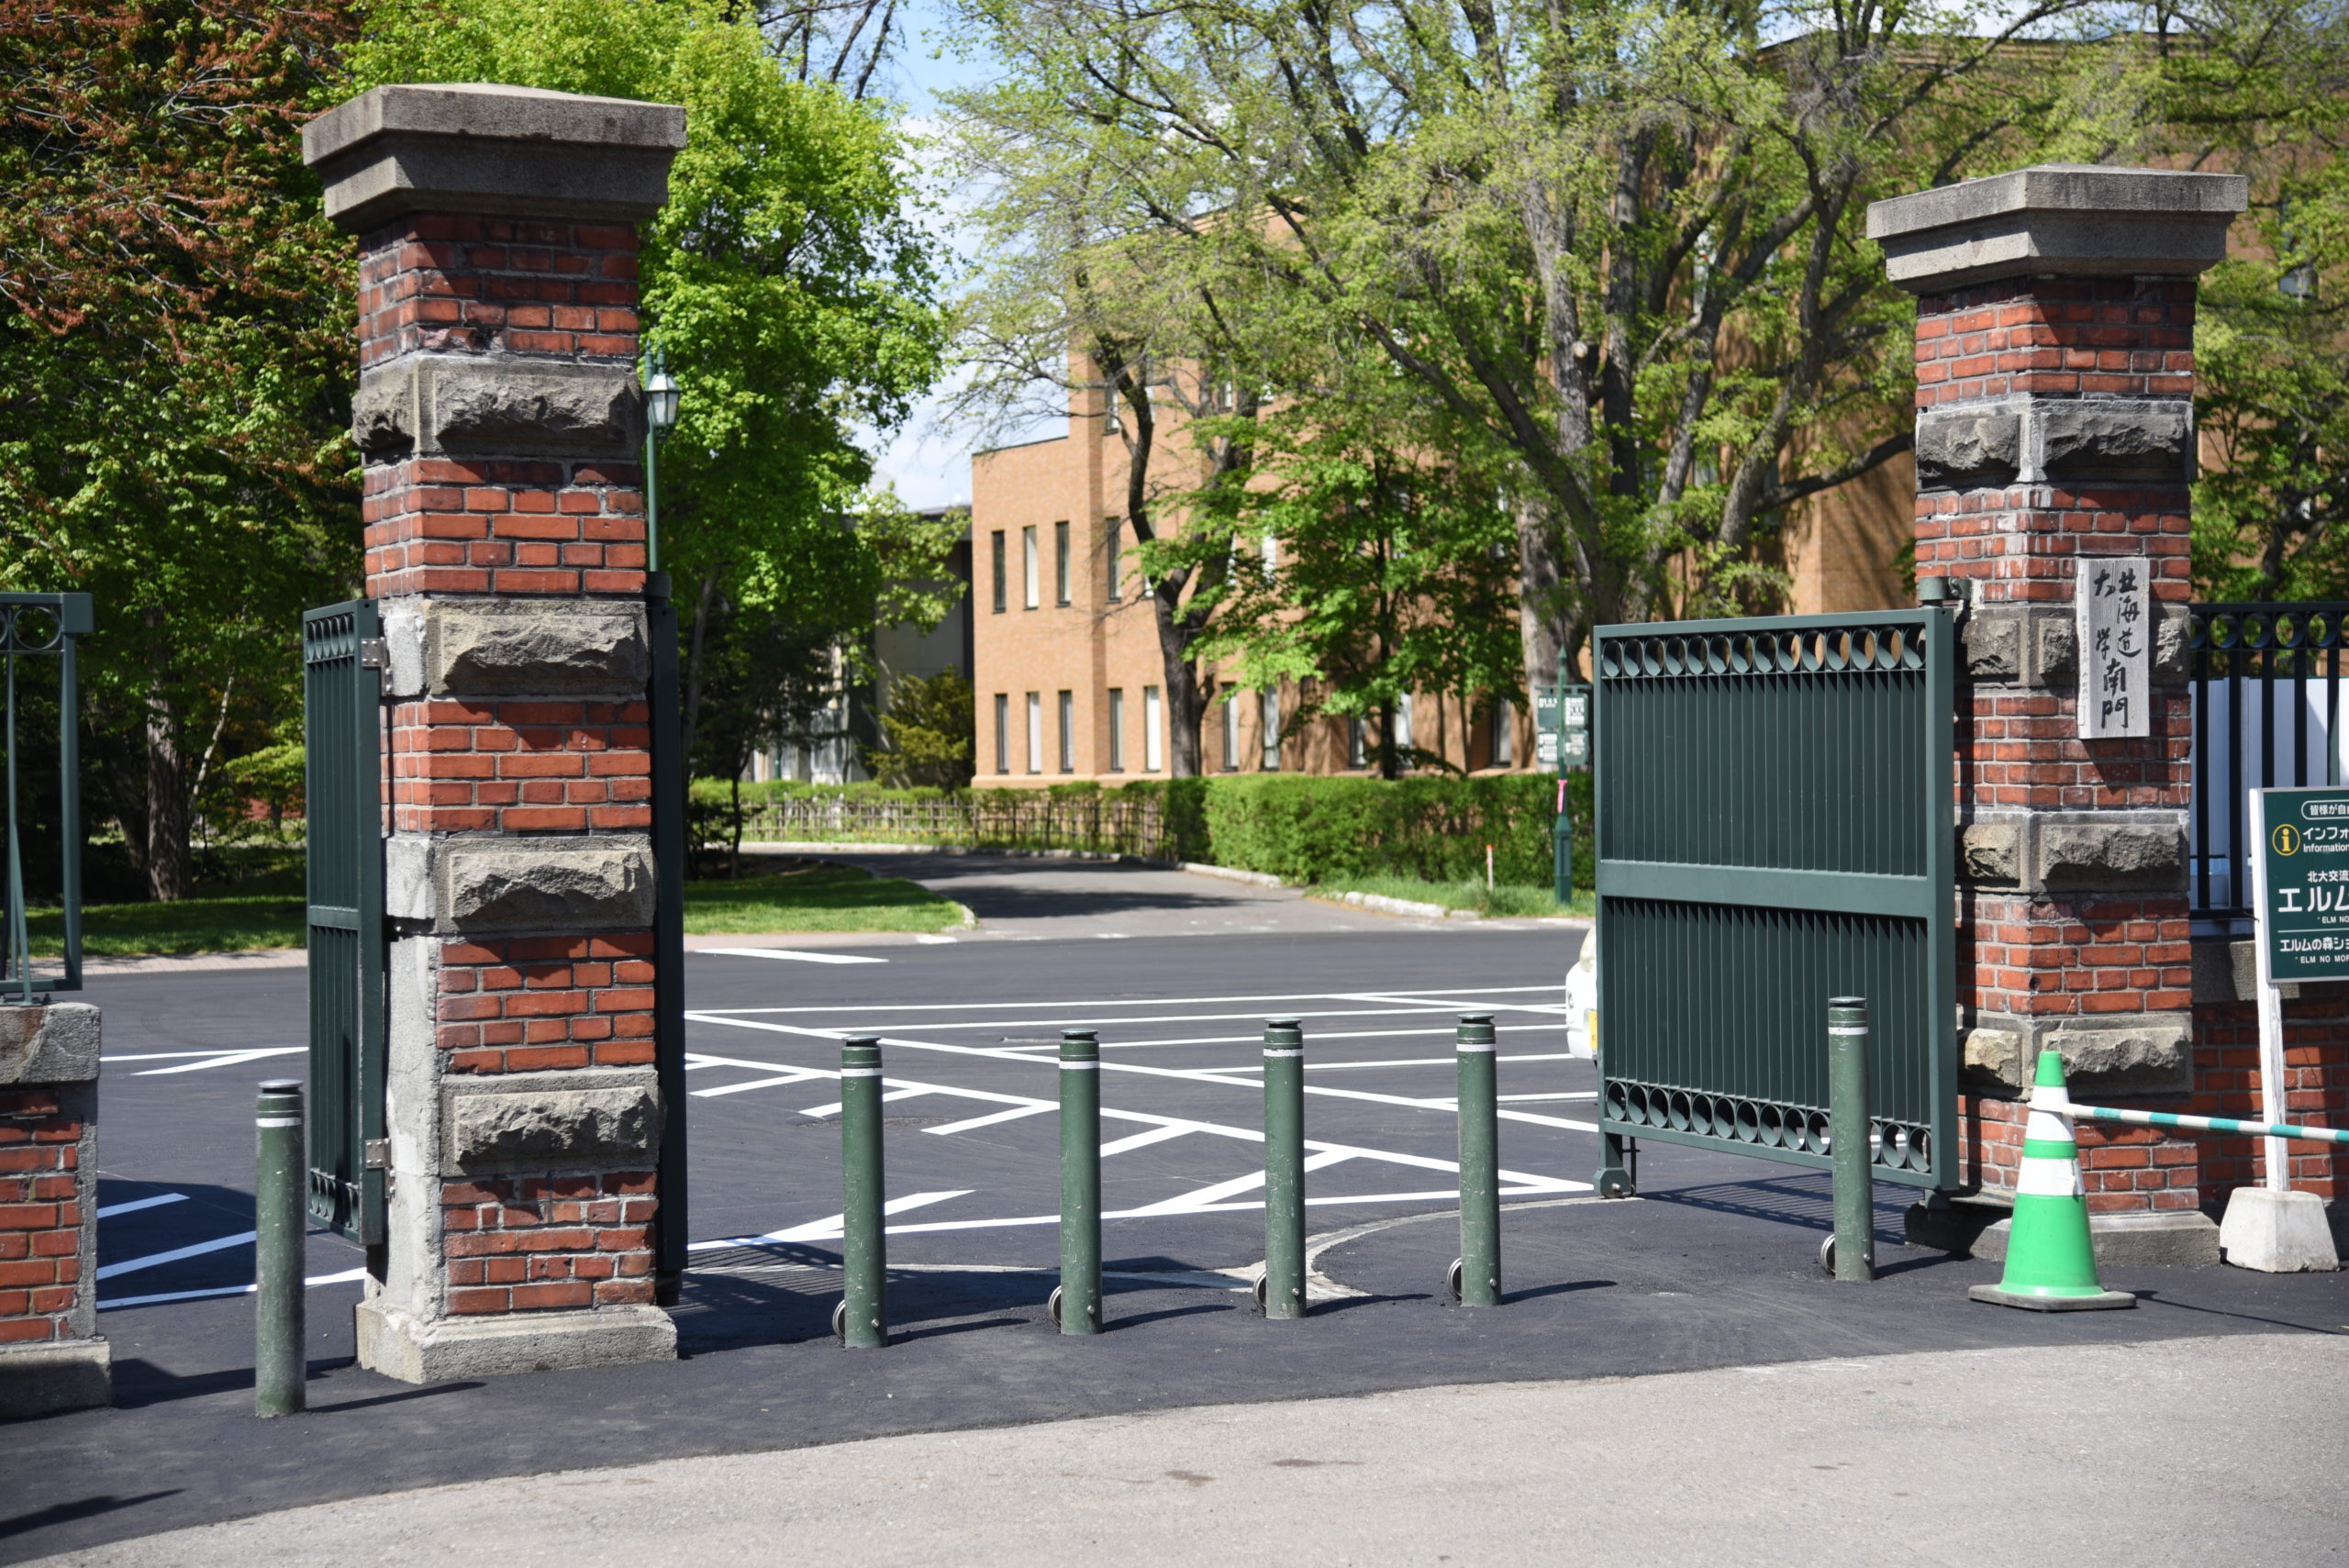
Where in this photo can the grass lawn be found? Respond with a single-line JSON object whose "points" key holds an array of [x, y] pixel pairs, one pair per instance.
{"points": [[808, 896], [1499, 902]]}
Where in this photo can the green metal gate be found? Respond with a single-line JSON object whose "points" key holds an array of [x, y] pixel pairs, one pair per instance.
{"points": [[1775, 806], [342, 659]]}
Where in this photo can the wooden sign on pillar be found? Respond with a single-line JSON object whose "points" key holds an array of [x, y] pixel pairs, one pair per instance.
{"points": [[2113, 601]]}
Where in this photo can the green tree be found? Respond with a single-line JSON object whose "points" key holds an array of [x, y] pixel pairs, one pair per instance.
{"points": [[787, 280], [2262, 88], [175, 370], [931, 730], [1616, 250]]}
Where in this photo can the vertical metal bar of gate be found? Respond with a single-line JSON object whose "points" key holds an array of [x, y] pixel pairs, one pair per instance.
{"points": [[668, 937], [343, 812]]}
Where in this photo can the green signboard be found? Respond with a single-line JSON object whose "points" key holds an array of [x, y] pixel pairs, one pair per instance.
{"points": [[1574, 728], [2303, 892]]}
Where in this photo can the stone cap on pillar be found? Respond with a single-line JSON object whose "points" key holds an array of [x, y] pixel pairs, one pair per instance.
{"points": [[473, 147], [2066, 219]]}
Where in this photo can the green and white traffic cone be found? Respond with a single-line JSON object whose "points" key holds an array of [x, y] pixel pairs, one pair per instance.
{"points": [[2051, 1261]]}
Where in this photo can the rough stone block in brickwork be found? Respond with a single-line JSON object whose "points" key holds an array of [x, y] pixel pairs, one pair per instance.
{"points": [[1962, 449], [2067, 219], [2126, 1053], [431, 404], [1993, 640], [2144, 441], [2109, 851], [2173, 645], [500, 150], [490, 885], [553, 1120], [1991, 852], [56, 1043], [2055, 646], [519, 648]]}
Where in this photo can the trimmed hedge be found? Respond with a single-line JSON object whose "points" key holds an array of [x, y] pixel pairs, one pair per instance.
{"points": [[1300, 827]]}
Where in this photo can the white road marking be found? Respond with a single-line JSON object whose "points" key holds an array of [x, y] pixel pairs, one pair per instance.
{"points": [[1573, 1094], [1204, 1200], [157, 1259], [347, 1276], [177, 1055], [790, 1076], [1144, 1140], [834, 1108], [1014, 1114], [1118, 1002], [221, 1059], [792, 954], [135, 1205], [828, 1228]]}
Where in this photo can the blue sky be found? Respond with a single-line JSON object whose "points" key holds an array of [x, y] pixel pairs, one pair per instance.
{"points": [[929, 463]]}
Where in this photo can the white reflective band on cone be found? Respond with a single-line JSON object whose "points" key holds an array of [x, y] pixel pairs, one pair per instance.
{"points": [[2050, 1178]]}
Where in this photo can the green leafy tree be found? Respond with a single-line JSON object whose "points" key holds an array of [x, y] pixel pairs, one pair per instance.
{"points": [[175, 370], [930, 728], [787, 280], [1615, 252]]}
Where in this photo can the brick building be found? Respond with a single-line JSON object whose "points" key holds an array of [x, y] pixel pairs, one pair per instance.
{"points": [[1065, 655]]}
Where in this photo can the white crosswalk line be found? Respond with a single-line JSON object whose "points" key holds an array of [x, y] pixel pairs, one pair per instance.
{"points": [[828, 1228], [990, 1119], [1144, 1140], [157, 1259], [793, 1076], [135, 1205], [791, 955], [224, 1059]]}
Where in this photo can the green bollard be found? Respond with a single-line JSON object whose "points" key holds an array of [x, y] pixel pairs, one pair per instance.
{"points": [[1076, 1301], [1281, 1292], [861, 1320], [1475, 1278], [281, 1363], [1851, 1251]]}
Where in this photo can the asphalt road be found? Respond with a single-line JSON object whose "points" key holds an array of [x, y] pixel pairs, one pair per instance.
{"points": [[1712, 1267], [1940, 1458]]}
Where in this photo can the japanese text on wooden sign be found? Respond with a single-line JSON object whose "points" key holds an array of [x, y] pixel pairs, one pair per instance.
{"points": [[2115, 602]]}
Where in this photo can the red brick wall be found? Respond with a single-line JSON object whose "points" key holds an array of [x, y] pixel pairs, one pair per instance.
{"points": [[449, 285], [2046, 956], [549, 1243], [2316, 1088], [535, 527], [41, 1217]]}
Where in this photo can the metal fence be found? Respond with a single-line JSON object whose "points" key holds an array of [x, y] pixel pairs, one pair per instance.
{"points": [[2267, 689], [1001, 819], [41, 627], [1774, 809]]}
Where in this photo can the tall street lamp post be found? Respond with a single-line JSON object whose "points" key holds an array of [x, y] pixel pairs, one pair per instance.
{"points": [[661, 418]]}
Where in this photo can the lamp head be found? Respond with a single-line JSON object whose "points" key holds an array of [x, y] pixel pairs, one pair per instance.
{"points": [[660, 395]]}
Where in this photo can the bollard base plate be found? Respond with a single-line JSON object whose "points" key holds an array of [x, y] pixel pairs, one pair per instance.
{"points": [[2103, 1301]]}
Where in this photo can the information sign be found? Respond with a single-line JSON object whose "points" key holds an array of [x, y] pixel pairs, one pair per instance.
{"points": [[2303, 885], [1574, 728]]}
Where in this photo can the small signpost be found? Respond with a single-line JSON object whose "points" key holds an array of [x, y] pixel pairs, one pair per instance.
{"points": [[1545, 728], [2299, 881], [2114, 598], [1574, 728]]}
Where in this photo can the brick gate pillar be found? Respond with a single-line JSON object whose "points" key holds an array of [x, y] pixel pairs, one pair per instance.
{"points": [[51, 1356], [2056, 423], [499, 414]]}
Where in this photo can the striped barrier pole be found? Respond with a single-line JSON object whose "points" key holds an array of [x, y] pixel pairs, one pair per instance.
{"points": [[2214, 1124]]}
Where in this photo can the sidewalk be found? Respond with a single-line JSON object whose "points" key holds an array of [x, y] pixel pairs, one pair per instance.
{"points": [[1941, 1457]]}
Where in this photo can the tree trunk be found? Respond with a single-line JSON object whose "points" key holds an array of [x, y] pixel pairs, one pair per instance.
{"points": [[1541, 595], [169, 871]]}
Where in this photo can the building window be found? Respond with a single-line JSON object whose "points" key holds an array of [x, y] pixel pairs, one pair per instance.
{"points": [[1002, 728], [1272, 556], [1113, 557], [1503, 735], [1270, 703], [1153, 723], [1068, 732], [1002, 578], [1060, 563], [1357, 743], [1403, 727], [1231, 731], [1116, 729], [1027, 567], [1035, 730]]}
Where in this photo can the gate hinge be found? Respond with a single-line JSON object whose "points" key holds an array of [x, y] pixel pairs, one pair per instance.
{"points": [[377, 1153], [374, 653]]}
